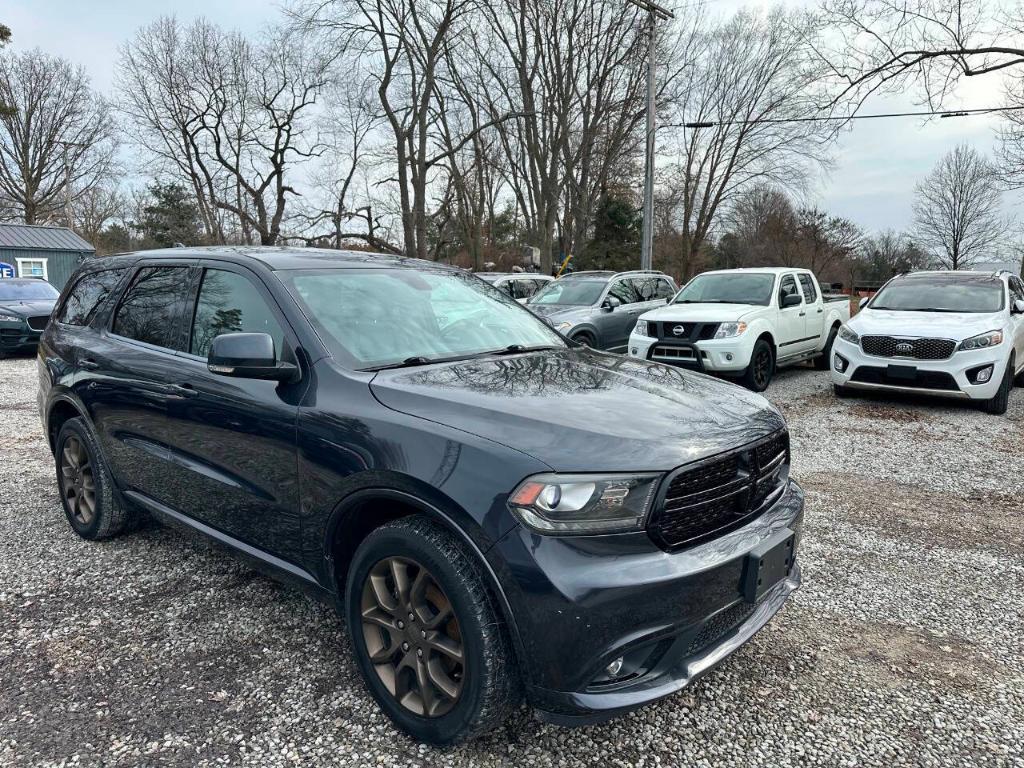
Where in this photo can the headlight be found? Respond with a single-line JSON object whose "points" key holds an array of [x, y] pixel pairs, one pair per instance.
{"points": [[9, 319], [580, 504], [846, 334], [982, 340], [728, 330], [641, 328], [563, 327]]}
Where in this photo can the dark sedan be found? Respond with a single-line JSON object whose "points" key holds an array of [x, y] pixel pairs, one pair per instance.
{"points": [[25, 307], [498, 514]]}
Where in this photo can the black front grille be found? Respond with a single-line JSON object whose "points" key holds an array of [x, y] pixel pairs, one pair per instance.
{"points": [[718, 625], [870, 374], [689, 331], [921, 349], [714, 496], [38, 323]]}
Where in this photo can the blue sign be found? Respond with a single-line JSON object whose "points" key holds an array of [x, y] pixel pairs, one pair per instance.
{"points": [[6, 270]]}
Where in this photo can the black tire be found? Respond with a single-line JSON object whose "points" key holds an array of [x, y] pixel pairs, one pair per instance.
{"points": [[841, 392], [487, 679], [822, 363], [584, 338], [761, 368], [91, 502], [997, 405]]}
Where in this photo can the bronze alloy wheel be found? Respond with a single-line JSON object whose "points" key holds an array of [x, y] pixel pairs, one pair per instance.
{"points": [[77, 481], [412, 636]]}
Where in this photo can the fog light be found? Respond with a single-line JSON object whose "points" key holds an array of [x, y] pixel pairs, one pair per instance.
{"points": [[615, 667], [728, 355], [981, 375], [840, 363], [984, 375], [632, 351]]}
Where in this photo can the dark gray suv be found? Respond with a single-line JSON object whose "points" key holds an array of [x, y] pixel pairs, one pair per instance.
{"points": [[600, 309]]}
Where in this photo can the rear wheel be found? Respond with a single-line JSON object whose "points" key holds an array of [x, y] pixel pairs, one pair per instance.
{"points": [[758, 374], [997, 405], [822, 363], [583, 338], [86, 488], [427, 636]]}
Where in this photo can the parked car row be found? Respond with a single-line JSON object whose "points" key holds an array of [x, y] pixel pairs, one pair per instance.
{"points": [[498, 509]]}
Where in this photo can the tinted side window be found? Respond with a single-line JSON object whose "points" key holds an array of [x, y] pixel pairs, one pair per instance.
{"points": [[623, 291], [87, 295], [525, 289], [152, 305], [787, 288], [644, 287], [230, 303], [1016, 289], [663, 289], [807, 285]]}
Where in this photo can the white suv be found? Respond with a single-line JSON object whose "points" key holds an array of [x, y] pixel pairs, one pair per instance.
{"points": [[955, 334]]}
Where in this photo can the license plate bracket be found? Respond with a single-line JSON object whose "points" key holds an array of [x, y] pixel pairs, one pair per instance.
{"points": [[768, 564], [902, 372]]}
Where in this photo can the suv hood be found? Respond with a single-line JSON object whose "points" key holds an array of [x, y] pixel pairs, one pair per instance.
{"points": [[28, 308], [579, 410], [936, 325], [701, 313]]}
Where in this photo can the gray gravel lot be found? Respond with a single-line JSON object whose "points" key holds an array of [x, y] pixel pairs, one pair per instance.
{"points": [[905, 647]]}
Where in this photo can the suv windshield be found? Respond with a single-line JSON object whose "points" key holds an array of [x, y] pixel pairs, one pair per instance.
{"points": [[570, 292], [728, 289], [27, 291], [941, 293], [373, 318]]}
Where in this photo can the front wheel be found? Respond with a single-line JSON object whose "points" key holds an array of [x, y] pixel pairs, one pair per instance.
{"points": [[584, 339], [427, 635], [758, 374], [998, 405]]}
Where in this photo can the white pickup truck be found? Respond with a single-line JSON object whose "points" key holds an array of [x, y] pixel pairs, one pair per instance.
{"points": [[743, 323]]}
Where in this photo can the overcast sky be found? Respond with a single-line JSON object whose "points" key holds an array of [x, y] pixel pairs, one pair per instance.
{"points": [[877, 162]]}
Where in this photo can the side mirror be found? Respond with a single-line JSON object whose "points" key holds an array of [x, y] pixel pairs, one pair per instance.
{"points": [[1018, 307], [248, 356], [791, 300], [610, 303], [863, 302]]}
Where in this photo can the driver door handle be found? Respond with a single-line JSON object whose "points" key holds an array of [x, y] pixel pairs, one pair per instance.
{"points": [[183, 390], [802, 314], [88, 363]]}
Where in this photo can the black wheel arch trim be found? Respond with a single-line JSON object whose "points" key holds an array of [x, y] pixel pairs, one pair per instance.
{"points": [[439, 515], [63, 397]]}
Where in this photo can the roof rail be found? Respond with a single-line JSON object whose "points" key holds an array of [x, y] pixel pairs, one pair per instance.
{"points": [[640, 272]]}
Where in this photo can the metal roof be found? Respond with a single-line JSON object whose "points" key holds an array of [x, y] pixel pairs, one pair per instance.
{"points": [[32, 236]]}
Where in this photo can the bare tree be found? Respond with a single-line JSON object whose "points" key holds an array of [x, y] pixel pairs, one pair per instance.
{"points": [[749, 85], [825, 240], [97, 207], [873, 46], [228, 116], [56, 139], [957, 209]]}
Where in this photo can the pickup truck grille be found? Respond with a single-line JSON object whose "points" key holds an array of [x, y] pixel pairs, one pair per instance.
{"points": [[684, 331], [716, 495], [921, 349]]}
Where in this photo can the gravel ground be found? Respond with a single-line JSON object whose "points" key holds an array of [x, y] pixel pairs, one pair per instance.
{"points": [[903, 648]]}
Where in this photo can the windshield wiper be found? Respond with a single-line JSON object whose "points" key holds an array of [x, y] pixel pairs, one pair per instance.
{"points": [[919, 309], [515, 349], [409, 362]]}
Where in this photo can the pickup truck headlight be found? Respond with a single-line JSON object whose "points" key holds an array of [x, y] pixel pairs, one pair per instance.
{"points": [[846, 334], [582, 504], [9, 319], [729, 330], [982, 340], [641, 328]]}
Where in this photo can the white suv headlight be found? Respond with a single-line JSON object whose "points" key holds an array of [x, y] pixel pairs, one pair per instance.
{"points": [[730, 330], [982, 340], [848, 334], [580, 504], [641, 328]]}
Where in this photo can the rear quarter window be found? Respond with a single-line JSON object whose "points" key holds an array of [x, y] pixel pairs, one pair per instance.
{"points": [[87, 295]]}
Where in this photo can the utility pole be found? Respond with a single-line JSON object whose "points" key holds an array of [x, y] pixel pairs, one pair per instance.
{"points": [[655, 14], [67, 181]]}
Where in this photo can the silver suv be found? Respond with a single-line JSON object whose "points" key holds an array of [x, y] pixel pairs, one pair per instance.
{"points": [[599, 309]]}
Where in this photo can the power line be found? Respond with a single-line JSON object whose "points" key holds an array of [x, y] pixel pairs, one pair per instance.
{"points": [[844, 118]]}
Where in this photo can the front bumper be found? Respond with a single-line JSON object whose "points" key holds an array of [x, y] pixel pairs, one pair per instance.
{"points": [[943, 378], [18, 336], [711, 355], [579, 603]]}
